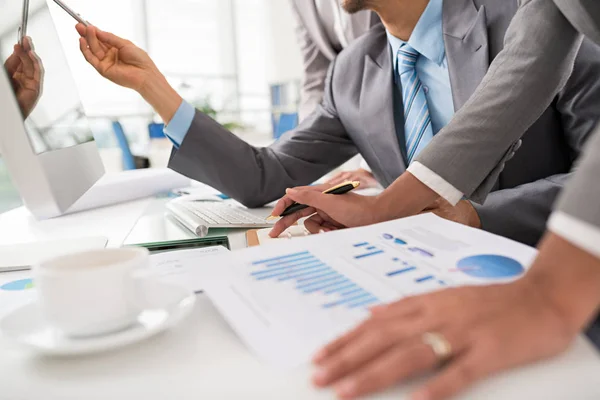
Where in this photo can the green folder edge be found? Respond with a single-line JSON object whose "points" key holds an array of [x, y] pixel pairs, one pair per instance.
{"points": [[216, 237]]}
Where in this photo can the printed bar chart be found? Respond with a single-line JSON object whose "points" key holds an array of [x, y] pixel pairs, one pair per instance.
{"points": [[369, 250], [310, 276]]}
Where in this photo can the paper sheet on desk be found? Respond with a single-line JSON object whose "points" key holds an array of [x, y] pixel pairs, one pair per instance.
{"points": [[288, 300], [179, 267], [16, 289]]}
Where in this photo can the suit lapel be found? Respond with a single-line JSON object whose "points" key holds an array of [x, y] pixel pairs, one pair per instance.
{"points": [[467, 49], [377, 110], [314, 26]]}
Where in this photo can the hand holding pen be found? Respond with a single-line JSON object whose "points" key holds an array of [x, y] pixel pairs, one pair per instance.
{"points": [[340, 189]]}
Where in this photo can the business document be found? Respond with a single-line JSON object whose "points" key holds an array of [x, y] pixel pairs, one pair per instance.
{"points": [[287, 300]]}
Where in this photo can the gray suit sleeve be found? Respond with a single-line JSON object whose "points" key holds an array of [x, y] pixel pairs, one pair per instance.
{"points": [[256, 176], [521, 213], [541, 46], [584, 15], [581, 197], [315, 65]]}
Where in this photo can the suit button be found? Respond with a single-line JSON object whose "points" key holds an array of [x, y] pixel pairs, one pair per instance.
{"points": [[426, 89]]}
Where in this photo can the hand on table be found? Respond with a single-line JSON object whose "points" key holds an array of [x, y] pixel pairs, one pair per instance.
{"points": [[26, 72], [331, 212], [463, 213], [366, 179], [489, 329]]}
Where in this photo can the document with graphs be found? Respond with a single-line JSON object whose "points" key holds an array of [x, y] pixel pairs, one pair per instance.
{"points": [[288, 299]]}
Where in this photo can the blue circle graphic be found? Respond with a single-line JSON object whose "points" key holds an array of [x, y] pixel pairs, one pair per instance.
{"points": [[491, 267]]}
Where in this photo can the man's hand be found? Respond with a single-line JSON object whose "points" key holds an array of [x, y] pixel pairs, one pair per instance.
{"points": [[331, 212], [489, 329], [366, 179], [26, 72], [463, 213], [125, 64], [116, 59], [405, 197]]}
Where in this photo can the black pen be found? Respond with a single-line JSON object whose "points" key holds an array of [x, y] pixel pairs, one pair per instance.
{"points": [[342, 188]]}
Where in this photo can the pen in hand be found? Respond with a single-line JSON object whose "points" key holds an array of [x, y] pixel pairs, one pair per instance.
{"points": [[340, 189]]}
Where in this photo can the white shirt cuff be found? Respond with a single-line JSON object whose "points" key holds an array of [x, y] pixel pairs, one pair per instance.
{"points": [[435, 183], [579, 233]]}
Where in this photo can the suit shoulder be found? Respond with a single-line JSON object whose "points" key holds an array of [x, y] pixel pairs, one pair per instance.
{"points": [[373, 42]]}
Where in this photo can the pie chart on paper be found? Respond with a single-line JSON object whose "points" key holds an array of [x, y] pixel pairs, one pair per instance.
{"points": [[489, 266], [17, 286]]}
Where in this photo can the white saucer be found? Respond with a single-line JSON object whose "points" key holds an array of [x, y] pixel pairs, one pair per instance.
{"points": [[165, 306]]}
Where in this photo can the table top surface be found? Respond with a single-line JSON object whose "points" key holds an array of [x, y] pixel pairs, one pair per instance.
{"points": [[204, 358]]}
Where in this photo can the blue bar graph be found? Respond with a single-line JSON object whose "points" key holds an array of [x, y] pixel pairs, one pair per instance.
{"points": [[285, 273], [364, 302], [291, 261], [349, 300], [310, 276], [318, 276], [287, 267], [341, 287], [374, 253], [401, 271], [353, 291], [424, 279], [333, 276], [281, 258], [361, 244], [322, 287], [306, 272]]}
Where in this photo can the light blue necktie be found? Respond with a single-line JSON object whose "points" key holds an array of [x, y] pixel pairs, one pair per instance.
{"points": [[417, 121]]}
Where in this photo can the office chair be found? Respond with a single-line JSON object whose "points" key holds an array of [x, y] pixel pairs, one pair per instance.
{"points": [[286, 123], [128, 159]]}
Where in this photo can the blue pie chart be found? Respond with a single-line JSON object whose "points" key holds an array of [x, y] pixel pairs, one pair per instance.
{"points": [[489, 266], [17, 286]]}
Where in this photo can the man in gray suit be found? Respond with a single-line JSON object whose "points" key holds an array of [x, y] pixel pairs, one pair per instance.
{"points": [[441, 52]]}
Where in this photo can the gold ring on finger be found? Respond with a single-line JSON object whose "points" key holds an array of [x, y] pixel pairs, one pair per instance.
{"points": [[439, 344]]}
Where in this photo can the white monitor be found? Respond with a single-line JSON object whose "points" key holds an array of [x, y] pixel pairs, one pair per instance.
{"points": [[45, 137]]}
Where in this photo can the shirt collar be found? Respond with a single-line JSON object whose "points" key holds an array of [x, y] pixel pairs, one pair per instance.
{"points": [[427, 38]]}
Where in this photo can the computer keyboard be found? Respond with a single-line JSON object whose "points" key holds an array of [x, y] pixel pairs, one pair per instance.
{"points": [[199, 216]]}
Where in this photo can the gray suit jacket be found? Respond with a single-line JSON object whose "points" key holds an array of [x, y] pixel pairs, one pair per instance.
{"points": [[537, 60], [317, 52], [581, 198], [357, 116], [541, 46]]}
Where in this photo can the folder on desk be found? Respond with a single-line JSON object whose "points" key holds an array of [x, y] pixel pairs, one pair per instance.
{"points": [[159, 232]]}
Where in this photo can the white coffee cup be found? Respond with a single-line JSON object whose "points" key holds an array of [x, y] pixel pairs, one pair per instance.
{"points": [[91, 293]]}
